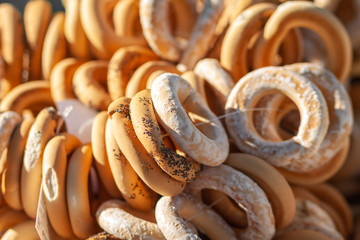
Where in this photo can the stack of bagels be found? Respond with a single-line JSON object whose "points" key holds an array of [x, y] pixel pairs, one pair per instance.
{"points": [[180, 119]]}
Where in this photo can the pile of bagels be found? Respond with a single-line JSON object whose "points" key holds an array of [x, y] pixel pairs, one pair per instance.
{"points": [[180, 119]]}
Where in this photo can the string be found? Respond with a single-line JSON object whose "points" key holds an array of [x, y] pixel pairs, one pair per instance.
{"points": [[207, 207], [233, 113]]}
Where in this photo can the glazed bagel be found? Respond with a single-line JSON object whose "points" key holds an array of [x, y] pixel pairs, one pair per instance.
{"points": [[172, 214], [10, 217], [87, 84], [98, 144], [126, 18], [134, 191], [234, 55], [41, 131], [82, 222], [124, 222], [100, 34], [143, 164], [8, 122], [148, 132], [37, 16], [245, 192], [76, 39], [11, 47], [30, 95], [61, 79], [271, 181], [173, 99], [54, 48], [304, 93], [152, 78], [123, 64], [10, 186], [54, 167], [138, 80], [304, 14], [23, 230]]}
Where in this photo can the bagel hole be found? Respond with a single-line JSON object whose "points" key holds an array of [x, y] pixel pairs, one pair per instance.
{"points": [[314, 50], [226, 207], [96, 191], [275, 117], [213, 100], [199, 117]]}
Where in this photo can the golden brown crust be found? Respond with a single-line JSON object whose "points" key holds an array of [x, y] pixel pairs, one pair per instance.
{"points": [[100, 154], [271, 181], [10, 185], [134, 191], [54, 166], [143, 164], [147, 129], [123, 64]]}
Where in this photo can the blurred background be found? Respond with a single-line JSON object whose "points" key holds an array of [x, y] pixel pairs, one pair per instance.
{"points": [[20, 4]]}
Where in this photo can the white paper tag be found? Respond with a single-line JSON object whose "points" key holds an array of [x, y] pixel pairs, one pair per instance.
{"points": [[42, 223], [78, 118]]}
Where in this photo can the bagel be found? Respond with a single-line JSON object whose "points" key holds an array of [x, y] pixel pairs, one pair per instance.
{"points": [[124, 222], [134, 191], [32, 95], [245, 192], [54, 166], [11, 46], [40, 132], [100, 34], [10, 218], [141, 75], [148, 132], [314, 112], [10, 185], [172, 96], [305, 14], [87, 84], [24, 230], [213, 73], [123, 64], [82, 222], [76, 39], [140, 160], [98, 144], [37, 16], [54, 48], [271, 181], [172, 214], [61, 79], [126, 19], [8, 122]]}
